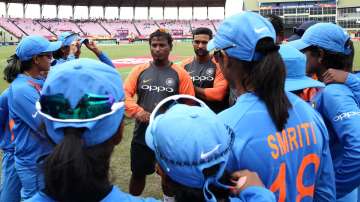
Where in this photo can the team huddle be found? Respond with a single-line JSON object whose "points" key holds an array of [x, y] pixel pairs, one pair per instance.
{"points": [[248, 118]]}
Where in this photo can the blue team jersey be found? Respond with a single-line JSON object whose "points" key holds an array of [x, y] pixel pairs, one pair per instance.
{"points": [[6, 135], [62, 60], [30, 141], [116, 195], [353, 82], [294, 163], [251, 194], [339, 106], [102, 57]]}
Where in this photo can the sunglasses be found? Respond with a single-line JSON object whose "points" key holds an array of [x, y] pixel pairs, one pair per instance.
{"points": [[219, 52], [169, 102], [90, 108]]}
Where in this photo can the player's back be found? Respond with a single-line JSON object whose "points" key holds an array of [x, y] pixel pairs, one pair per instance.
{"points": [[289, 162], [6, 135]]}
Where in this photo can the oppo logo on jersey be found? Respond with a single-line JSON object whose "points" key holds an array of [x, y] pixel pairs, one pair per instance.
{"points": [[202, 78], [158, 89], [346, 115]]}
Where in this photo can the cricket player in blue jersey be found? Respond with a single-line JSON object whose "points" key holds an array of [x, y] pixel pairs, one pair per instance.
{"points": [[71, 49], [192, 154], [33, 56], [296, 79], [278, 135], [82, 104], [10, 182], [345, 75], [328, 46]]}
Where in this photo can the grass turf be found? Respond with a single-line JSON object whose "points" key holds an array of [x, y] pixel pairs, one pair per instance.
{"points": [[120, 166]]}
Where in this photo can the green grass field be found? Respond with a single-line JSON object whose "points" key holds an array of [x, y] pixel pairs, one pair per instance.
{"points": [[120, 169]]}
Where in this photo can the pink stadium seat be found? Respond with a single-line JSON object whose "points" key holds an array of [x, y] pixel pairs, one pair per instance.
{"points": [[120, 28], [9, 26], [58, 26], [93, 29], [216, 23], [202, 23], [178, 28], [146, 27], [32, 27]]}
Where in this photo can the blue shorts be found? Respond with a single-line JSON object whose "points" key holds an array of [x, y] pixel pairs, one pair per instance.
{"points": [[32, 180], [11, 184]]}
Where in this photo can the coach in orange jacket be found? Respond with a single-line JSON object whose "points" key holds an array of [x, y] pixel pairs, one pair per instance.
{"points": [[151, 83], [209, 82]]}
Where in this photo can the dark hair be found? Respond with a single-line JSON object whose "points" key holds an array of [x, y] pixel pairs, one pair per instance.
{"points": [[14, 67], [349, 61], [58, 54], [76, 173], [187, 194], [267, 78], [161, 33], [203, 30], [333, 59], [277, 23]]}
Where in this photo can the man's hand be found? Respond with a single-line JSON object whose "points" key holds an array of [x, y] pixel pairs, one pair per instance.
{"points": [[142, 116], [335, 76], [91, 45], [243, 179]]}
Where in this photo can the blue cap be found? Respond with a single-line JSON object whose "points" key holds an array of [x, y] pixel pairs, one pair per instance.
{"points": [[328, 36], [33, 45], [196, 140], [67, 38], [300, 30], [242, 31], [295, 63], [74, 79]]}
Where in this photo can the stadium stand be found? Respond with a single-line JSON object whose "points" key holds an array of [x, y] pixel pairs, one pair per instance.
{"points": [[9, 26], [216, 23], [57, 26], [31, 27], [295, 12], [146, 27], [349, 16], [202, 23], [120, 29], [178, 28], [92, 28]]}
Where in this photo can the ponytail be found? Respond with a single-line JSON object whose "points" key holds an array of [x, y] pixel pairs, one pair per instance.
{"points": [[14, 67], [268, 79], [75, 173]]}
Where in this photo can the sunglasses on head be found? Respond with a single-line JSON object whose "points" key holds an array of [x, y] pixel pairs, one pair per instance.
{"points": [[162, 108], [171, 101], [90, 108], [219, 52]]}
